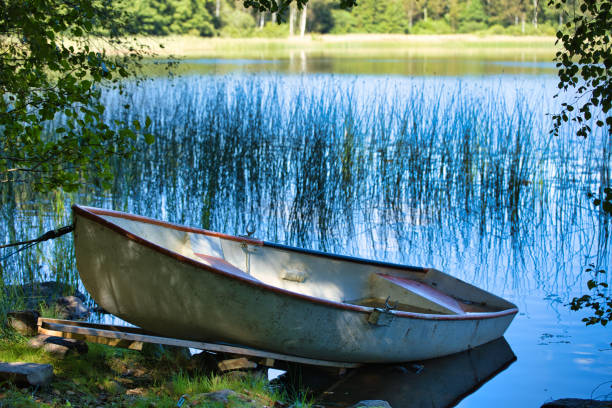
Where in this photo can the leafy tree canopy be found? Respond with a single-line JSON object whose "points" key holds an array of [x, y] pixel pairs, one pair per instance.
{"points": [[474, 11], [381, 16], [281, 6], [163, 17], [585, 63], [50, 70], [599, 301]]}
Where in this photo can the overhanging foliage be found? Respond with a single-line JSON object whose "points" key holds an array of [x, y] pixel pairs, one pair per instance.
{"points": [[585, 63], [54, 58]]}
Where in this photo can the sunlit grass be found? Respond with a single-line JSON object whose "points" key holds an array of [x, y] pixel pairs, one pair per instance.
{"points": [[79, 380], [353, 45], [98, 364]]}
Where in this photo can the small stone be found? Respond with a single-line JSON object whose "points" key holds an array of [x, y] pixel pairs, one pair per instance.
{"points": [[58, 346], [27, 373], [57, 350], [152, 351], [157, 351], [136, 391], [38, 341], [236, 364], [177, 352], [371, 404], [577, 403], [37, 293], [225, 397], [24, 322], [115, 387], [71, 307], [222, 396]]}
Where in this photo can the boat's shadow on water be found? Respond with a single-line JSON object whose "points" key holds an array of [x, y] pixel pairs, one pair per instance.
{"points": [[436, 383]]}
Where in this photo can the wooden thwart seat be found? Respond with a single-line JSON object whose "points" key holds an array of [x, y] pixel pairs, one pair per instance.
{"points": [[224, 266], [419, 294]]}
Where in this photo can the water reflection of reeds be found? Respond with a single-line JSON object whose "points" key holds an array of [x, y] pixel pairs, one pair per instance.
{"points": [[447, 173]]}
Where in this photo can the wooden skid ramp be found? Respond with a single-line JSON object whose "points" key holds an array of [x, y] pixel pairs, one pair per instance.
{"points": [[134, 338]]}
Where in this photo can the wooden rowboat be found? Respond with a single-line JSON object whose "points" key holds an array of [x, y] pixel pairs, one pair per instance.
{"points": [[194, 284]]}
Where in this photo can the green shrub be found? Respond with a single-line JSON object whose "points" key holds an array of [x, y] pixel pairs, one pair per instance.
{"points": [[496, 29], [272, 30], [344, 22], [472, 26], [517, 29], [237, 23], [543, 29], [431, 27]]}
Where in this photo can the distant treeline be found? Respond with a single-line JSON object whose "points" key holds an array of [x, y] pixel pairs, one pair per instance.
{"points": [[229, 18]]}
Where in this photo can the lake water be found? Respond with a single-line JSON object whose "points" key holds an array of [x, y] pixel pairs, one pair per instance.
{"points": [[443, 162]]}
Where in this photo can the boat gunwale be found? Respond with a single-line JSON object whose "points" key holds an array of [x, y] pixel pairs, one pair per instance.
{"points": [[94, 214]]}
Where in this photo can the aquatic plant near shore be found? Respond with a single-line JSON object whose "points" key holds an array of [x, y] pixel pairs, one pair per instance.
{"points": [[599, 301], [25, 215], [397, 169], [291, 150]]}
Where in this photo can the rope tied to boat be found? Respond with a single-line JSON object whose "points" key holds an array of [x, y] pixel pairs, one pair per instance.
{"points": [[52, 234]]}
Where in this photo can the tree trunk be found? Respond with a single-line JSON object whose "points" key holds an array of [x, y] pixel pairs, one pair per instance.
{"points": [[535, 13], [425, 14], [217, 8], [453, 14], [291, 18], [274, 17], [303, 21], [262, 20], [410, 11], [523, 23]]}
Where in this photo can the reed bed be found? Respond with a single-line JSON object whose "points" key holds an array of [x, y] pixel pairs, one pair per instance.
{"points": [[444, 172]]}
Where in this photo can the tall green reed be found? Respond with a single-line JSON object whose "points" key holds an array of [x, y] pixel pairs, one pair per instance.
{"points": [[407, 170]]}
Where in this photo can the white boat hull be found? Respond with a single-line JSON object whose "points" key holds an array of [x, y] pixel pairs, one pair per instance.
{"points": [[168, 291]]}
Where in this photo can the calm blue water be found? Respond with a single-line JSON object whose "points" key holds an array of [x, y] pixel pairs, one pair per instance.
{"points": [[534, 254], [377, 160]]}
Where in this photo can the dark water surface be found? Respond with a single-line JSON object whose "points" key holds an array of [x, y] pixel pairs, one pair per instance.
{"points": [[452, 168]]}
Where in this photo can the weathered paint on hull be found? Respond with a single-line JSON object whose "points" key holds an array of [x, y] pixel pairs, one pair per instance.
{"points": [[174, 298]]}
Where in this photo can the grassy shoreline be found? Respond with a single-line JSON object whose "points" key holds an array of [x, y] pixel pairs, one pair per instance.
{"points": [[349, 45], [114, 377]]}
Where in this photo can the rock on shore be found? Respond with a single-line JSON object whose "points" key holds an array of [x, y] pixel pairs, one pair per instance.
{"points": [[64, 300], [371, 404], [577, 403], [26, 373]]}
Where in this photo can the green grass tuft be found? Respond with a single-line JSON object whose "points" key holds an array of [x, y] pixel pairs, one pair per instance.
{"points": [[113, 377]]}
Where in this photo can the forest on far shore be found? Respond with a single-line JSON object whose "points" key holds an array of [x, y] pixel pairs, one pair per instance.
{"points": [[229, 18]]}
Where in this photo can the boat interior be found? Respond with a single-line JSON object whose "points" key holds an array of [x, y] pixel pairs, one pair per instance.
{"points": [[352, 281]]}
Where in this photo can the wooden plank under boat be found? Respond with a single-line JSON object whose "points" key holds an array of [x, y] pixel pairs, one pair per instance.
{"points": [[193, 284], [134, 338]]}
